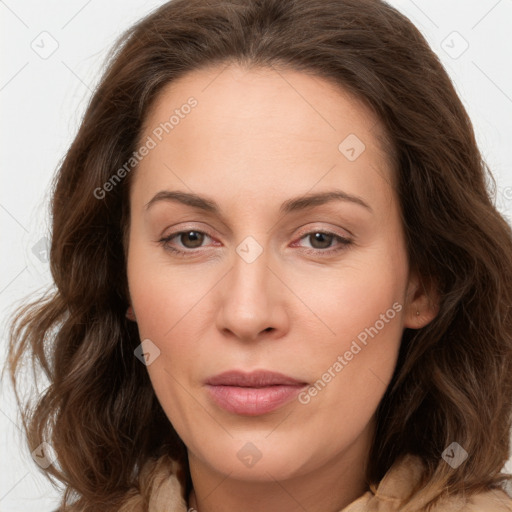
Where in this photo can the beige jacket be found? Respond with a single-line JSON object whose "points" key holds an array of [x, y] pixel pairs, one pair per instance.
{"points": [[162, 491]]}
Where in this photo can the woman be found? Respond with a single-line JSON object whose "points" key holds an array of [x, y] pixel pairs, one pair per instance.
{"points": [[207, 349]]}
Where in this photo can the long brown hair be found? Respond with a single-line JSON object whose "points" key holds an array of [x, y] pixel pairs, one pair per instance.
{"points": [[453, 379]]}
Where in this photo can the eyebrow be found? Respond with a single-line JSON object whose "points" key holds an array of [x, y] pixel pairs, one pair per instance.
{"points": [[288, 206]]}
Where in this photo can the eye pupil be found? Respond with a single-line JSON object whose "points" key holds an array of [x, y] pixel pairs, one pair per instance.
{"points": [[195, 236], [324, 239]]}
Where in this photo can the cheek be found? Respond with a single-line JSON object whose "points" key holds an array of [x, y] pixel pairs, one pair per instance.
{"points": [[359, 333], [343, 303], [162, 294], [164, 301]]}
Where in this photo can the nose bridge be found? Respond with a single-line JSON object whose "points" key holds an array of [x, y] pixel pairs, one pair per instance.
{"points": [[249, 305], [249, 279]]}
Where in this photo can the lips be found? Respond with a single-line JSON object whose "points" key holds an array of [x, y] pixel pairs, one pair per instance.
{"points": [[256, 379], [254, 393]]}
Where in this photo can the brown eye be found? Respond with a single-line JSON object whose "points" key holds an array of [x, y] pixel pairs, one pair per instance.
{"points": [[324, 243], [185, 243], [195, 238], [320, 240]]}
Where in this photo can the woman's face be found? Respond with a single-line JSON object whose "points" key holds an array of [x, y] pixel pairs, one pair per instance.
{"points": [[291, 260]]}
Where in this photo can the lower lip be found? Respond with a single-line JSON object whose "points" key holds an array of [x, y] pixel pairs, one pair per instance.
{"points": [[253, 401]]}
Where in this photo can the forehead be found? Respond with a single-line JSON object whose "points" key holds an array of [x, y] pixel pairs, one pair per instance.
{"points": [[256, 129]]}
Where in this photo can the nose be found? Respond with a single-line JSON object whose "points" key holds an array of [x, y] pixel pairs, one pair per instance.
{"points": [[252, 300]]}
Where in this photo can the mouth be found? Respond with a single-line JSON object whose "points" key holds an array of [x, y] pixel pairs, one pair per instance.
{"points": [[252, 394]]}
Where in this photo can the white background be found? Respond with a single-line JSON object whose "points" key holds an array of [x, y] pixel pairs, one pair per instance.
{"points": [[43, 99]]}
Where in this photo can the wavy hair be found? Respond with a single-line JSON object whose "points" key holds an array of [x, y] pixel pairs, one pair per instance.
{"points": [[453, 378]]}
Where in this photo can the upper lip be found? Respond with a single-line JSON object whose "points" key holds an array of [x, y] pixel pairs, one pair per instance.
{"points": [[255, 379]]}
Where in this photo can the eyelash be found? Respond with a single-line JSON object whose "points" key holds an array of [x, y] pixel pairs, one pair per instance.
{"points": [[343, 243]]}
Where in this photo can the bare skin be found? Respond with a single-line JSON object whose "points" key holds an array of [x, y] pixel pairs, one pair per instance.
{"points": [[258, 138]]}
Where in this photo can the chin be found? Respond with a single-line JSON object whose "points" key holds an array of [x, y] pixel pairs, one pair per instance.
{"points": [[259, 460]]}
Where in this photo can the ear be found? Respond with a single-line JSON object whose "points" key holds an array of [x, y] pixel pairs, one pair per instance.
{"points": [[422, 302], [130, 314]]}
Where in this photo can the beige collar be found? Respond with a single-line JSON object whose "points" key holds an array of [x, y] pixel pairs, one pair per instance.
{"points": [[162, 490]]}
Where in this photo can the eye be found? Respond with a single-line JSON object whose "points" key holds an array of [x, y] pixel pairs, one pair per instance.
{"points": [[190, 240], [321, 242], [194, 237]]}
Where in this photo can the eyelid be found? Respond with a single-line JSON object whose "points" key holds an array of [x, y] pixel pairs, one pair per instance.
{"points": [[185, 229], [182, 231], [302, 231], [343, 241], [331, 231]]}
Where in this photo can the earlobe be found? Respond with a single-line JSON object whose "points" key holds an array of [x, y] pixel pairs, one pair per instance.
{"points": [[130, 314]]}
